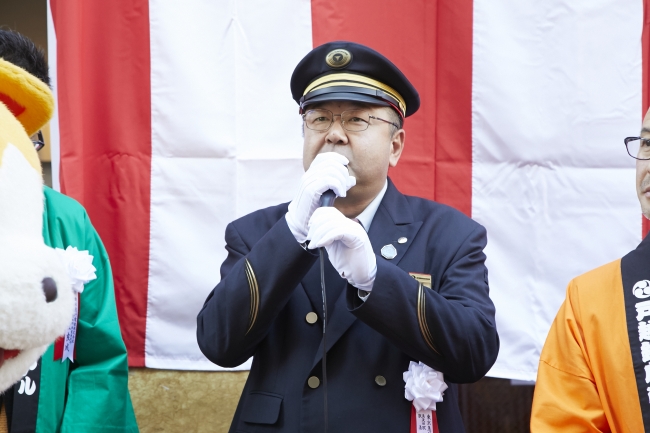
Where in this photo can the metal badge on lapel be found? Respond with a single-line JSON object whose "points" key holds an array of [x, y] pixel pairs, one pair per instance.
{"points": [[388, 252]]}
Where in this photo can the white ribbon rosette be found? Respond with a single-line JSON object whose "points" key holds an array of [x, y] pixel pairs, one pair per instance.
{"points": [[79, 265], [424, 387]]}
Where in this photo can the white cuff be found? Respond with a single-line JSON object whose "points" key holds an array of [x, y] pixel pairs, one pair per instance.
{"points": [[362, 294], [300, 237]]}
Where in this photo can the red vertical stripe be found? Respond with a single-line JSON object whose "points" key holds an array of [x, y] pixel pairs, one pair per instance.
{"points": [[105, 127], [431, 42], [646, 76]]}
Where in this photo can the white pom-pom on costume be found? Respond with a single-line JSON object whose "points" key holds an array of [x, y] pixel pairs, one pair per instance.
{"points": [[424, 386]]}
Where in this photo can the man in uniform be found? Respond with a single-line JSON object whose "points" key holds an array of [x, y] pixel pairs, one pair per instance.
{"points": [[594, 371], [90, 394], [405, 277]]}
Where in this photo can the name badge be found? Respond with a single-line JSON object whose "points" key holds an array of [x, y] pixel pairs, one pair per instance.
{"points": [[424, 279]]}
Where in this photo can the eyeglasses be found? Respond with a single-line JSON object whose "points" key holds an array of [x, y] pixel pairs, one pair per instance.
{"points": [[352, 120], [39, 143], [637, 147]]}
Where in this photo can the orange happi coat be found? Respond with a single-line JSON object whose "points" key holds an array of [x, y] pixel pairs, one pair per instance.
{"points": [[586, 381]]}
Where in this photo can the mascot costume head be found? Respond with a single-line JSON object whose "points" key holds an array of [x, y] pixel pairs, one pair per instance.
{"points": [[36, 298]]}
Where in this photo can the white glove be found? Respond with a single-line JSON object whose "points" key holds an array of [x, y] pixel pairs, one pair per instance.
{"points": [[347, 245], [327, 171]]}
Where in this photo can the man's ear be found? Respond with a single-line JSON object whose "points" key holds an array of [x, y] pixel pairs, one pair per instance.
{"points": [[21, 195], [396, 147]]}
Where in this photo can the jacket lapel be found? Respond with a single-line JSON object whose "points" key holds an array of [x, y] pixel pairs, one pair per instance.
{"points": [[392, 221], [387, 232]]}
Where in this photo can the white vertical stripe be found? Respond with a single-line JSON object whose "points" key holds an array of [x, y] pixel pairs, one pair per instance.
{"points": [[556, 88], [55, 138], [226, 140]]}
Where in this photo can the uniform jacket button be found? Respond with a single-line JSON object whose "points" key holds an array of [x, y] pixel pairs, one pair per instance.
{"points": [[313, 382], [311, 318], [380, 380]]}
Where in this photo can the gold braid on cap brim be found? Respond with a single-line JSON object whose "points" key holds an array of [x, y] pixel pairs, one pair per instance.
{"points": [[354, 80], [27, 97]]}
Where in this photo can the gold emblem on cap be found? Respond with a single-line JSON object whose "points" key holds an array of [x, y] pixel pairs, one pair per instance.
{"points": [[338, 58]]}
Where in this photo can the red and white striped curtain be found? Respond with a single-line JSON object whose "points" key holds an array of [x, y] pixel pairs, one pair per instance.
{"points": [[175, 118]]}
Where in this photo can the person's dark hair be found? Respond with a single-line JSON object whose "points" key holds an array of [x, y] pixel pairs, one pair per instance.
{"points": [[21, 51]]}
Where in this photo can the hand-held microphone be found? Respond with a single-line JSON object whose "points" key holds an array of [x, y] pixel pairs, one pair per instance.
{"points": [[326, 200]]}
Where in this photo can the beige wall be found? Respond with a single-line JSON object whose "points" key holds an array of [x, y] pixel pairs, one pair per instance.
{"points": [[28, 17], [184, 401]]}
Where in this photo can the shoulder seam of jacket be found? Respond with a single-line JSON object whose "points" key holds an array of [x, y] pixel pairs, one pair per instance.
{"points": [[580, 376]]}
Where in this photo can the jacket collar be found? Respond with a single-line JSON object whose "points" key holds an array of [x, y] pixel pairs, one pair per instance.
{"points": [[368, 214], [396, 204]]}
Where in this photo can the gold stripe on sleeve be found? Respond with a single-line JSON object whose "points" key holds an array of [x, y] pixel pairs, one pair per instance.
{"points": [[422, 320], [255, 294]]}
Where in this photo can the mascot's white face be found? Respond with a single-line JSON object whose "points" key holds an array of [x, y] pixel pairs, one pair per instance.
{"points": [[36, 298]]}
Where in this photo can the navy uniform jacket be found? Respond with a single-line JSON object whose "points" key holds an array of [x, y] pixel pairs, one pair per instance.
{"points": [[269, 283]]}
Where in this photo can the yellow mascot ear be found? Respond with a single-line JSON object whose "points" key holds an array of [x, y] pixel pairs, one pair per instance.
{"points": [[27, 97]]}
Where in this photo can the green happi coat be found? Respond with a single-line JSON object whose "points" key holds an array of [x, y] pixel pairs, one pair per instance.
{"points": [[91, 394]]}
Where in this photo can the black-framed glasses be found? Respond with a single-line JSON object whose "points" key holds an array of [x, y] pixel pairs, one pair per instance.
{"points": [[39, 143], [638, 147], [351, 120]]}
